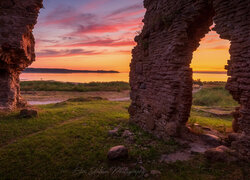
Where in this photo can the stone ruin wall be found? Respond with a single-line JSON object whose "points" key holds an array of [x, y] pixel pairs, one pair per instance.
{"points": [[161, 77], [233, 23], [17, 20]]}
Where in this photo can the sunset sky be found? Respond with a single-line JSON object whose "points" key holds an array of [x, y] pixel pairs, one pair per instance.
{"points": [[98, 34]]}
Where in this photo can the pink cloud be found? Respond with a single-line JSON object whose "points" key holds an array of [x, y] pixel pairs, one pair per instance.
{"points": [[48, 53], [100, 43], [94, 4], [107, 27]]}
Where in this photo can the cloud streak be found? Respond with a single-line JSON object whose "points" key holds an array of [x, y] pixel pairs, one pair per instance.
{"points": [[99, 43], [65, 53]]}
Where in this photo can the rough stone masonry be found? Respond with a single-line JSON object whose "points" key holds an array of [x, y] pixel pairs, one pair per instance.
{"points": [[17, 20], [160, 77]]}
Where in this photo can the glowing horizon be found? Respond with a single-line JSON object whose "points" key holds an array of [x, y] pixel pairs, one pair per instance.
{"points": [[98, 35]]}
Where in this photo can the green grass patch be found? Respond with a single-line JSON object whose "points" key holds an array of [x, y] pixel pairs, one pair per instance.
{"points": [[214, 97], [67, 86], [222, 124], [70, 140], [70, 136]]}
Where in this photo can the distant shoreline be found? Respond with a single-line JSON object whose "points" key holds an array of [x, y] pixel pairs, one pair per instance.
{"points": [[210, 72], [70, 71], [66, 71]]}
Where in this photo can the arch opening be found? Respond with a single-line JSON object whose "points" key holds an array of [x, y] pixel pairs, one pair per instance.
{"points": [[212, 104]]}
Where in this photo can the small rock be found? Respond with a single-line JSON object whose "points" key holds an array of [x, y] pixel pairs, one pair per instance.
{"points": [[155, 172], [117, 152], [28, 113], [220, 153], [212, 139], [113, 132], [127, 133], [197, 148]]}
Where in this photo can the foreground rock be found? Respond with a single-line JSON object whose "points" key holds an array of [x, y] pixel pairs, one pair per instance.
{"points": [[220, 154], [129, 136], [211, 139], [118, 152], [113, 132], [127, 133], [155, 172], [28, 113]]}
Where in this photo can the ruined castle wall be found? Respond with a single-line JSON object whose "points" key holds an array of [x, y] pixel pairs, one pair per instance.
{"points": [[233, 23], [161, 78], [17, 20]]}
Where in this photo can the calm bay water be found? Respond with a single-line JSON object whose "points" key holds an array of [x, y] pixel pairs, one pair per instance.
{"points": [[104, 77]]}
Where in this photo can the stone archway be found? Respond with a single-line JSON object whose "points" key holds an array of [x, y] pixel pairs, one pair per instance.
{"points": [[161, 78]]}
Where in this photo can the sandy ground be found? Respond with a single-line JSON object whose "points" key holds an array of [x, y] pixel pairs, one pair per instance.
{"points": [[48, 97]]}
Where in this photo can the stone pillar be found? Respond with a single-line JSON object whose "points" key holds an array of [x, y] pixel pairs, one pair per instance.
{"points": [[17, 20], [10, 90], [233, 23]]}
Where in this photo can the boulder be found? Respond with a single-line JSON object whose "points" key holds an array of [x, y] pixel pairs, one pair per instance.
{"points": [[211, 139], [155, 172], [127, 133], [113, 132], [118, 152], [28, 113], [220, 154]]}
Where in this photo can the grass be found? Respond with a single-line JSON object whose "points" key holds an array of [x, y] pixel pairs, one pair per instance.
{"points": [[214, 97], [68, 136], [221, 124], [80, 87], [69, 140]]}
